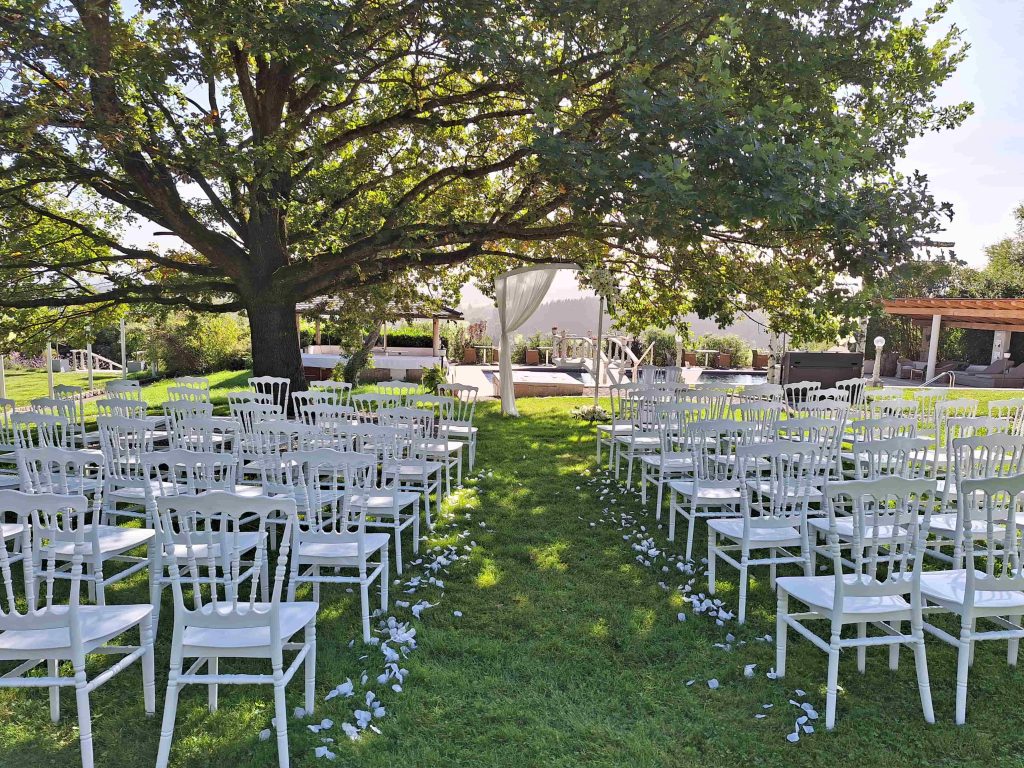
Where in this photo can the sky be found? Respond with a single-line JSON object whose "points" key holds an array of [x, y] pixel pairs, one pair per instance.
{"points": [[979, 167]]}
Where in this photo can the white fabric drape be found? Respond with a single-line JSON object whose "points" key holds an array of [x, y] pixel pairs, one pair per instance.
{"points": [[518, 294]]}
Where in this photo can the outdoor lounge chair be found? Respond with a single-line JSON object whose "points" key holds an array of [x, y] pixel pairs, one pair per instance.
{"points": [[951, 365], [998, 374], [905, 368]]}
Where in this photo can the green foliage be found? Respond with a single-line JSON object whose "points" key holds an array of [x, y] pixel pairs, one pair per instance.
{"points": [[590, 413], [738, 347], [664, 352], [455, 340], [411, 336], [189, 343], [711, 156], [433, 377]]}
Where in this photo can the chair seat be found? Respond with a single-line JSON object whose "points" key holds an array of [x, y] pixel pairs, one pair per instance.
{"points": [[639, 441], [844, 529], [615, 429], [139, 492], [294, 616], [669, 462], [764, 487], [99, 623], [113, 540], [9, 480], [345, 551], [820, 591], [459, 430], [247, 540], [717, 494], [441, 447], [401, 499], [733, 529], [12, 530], [413, 470], [948, 523], [949, 588]]}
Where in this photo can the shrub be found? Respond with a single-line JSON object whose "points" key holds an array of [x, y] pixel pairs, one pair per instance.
{"points": [[433, 377], [738, 347], [454, 339], [519, 347], [190, 343], [664, 352]]}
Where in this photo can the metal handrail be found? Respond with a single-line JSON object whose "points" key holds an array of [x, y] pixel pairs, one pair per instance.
{"points": [[950, 374]]}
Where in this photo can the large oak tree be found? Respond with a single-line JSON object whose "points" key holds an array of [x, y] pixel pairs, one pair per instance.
{"points": [[712, 155]]}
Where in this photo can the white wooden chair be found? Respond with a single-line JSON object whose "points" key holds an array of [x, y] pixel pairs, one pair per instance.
{"points": [[777, 483], [458, 425], [122, 406], [640, 408], [32, 430], [799, 391], [415, 466], [339, 392], [225, 619], [399, 391], [35, 627], [990, 588], [212, 434], [876, 581], [758, 393], [67, 409], [331, 541], [307, 398], [1010, 410], [248, 396], [124, 441], [670, 462], [606, 433], [275, 386], [123, 388], [8, 469], [368, 403], [714, 490]]}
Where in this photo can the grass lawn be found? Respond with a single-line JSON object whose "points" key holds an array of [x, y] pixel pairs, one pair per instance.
{"points": [[568, 653]]}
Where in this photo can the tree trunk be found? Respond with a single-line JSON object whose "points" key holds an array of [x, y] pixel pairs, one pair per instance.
{"points": [[275, 343], [357, 361]]}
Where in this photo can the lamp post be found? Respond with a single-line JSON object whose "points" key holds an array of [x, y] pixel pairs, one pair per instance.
{"points": [[877, 372]]}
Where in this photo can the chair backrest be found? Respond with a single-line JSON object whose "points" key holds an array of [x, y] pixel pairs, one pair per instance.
{"points": [[773, 393], [465, 397], [67, 410], [991, 511], [248, 414], [827, 434], [189, 394], [781, 479], [894, 456], [327, 412], [338, 391], [883, 553], [420, 419], [399, 390], [193, 382], [129, 388], [275, 386], [122, 406], [377, 440], [302, 400], [442, 406], [798, 391], [826, 408], [883, 428], [32, 430], [207, 434], [29, 601], [329, 477], [713, 401], [829, 393], [248, 396], [1010, 410], [711, 445], [222, 565], [179, 470], [960, 408], [7, 411], [928, 400], [855, 388], [976, 457], [180, 410], [884, 407], [369, 403], [763, 415], [124, 441], [75, 395]]}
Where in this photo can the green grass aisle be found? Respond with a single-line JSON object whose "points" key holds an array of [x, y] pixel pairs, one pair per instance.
{"points": [[567, 653]]}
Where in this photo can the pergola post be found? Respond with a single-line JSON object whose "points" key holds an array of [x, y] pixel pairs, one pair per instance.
{"points": [[437, 337], [124, 351], [933, 346], [1000, 344], [49, 365], [317, 333], [3, 379]]}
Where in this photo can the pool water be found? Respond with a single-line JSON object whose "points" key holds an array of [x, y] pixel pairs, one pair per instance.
{"points": [[728, 377]]}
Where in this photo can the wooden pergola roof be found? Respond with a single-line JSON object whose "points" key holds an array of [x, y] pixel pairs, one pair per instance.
{"points": [[983, 314], [328, 306]]}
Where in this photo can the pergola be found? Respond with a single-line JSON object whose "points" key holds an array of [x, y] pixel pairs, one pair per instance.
{"points": [[326, 307], [1004, 316]]}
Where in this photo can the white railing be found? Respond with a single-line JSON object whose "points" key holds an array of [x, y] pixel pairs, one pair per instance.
{"points": [[80, 361], [616, 356]]}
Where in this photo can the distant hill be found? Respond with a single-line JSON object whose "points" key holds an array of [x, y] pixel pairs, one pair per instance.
{"points": [[579, 316]]}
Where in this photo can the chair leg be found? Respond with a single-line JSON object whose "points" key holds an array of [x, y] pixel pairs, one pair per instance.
{"points": [[781, 610], [309, 668], [364, 604], [51, 670], [147, 633], [398, 547], [385, 578], [963, 666], [170, 712], [691, 523], [281, 720], [862, 651], [1013, 644], [712, 546], [84, 717], [212, 668], [744, 584], [643, 483], [894, 649], [832, 684], [416, 527], [661, 495]]}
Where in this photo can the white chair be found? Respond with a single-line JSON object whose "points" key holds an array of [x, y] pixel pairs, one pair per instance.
{"points": [[126, 388], [32, 430], [606, 433], [128, 408], [212, 434], [188, 394], [415, 467], [876, 580], [640, 409], [248, 396], [226, 619], [124, 441], [991, 586], [1010, 410], [399, 391], [778, 481], [894, 456], [799, 391], [82, 472], [827, 434], [35, 627], [884, 407], [303, 400], [754, 393], [275, 386], [198, 383], [8, 471], [338, 391], [670, 462], [714, 490], [67, 409], [369, 403], [764, 415], [331, 541]]}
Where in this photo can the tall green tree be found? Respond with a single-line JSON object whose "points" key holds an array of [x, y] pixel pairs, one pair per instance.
{"points": [[712, 154]]}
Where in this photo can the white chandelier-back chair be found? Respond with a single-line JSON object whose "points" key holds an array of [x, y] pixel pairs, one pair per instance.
{"points": [[275, 386], [331, 541], [672, 460], [876, 580], [990, 590], [307, 398], [33, 430], [778, 481], [123, 388], [338, 392], [248, 396], [188, 394], [399, 391], [884, 407], [799, 391], [772, 393], [124, 442], [1010, 410], [619, 425], [76, 395], [36, 627], [893, 456], [224, 618], [8, 476], [211, 434], [368, 403], [65, 409], [130, 408]]}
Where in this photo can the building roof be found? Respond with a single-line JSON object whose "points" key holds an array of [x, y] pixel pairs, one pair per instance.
{"points": [[328, 306], [984, 314]]}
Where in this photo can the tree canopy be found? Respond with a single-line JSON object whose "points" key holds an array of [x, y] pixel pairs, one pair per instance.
{"points": [[707, 155]]}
